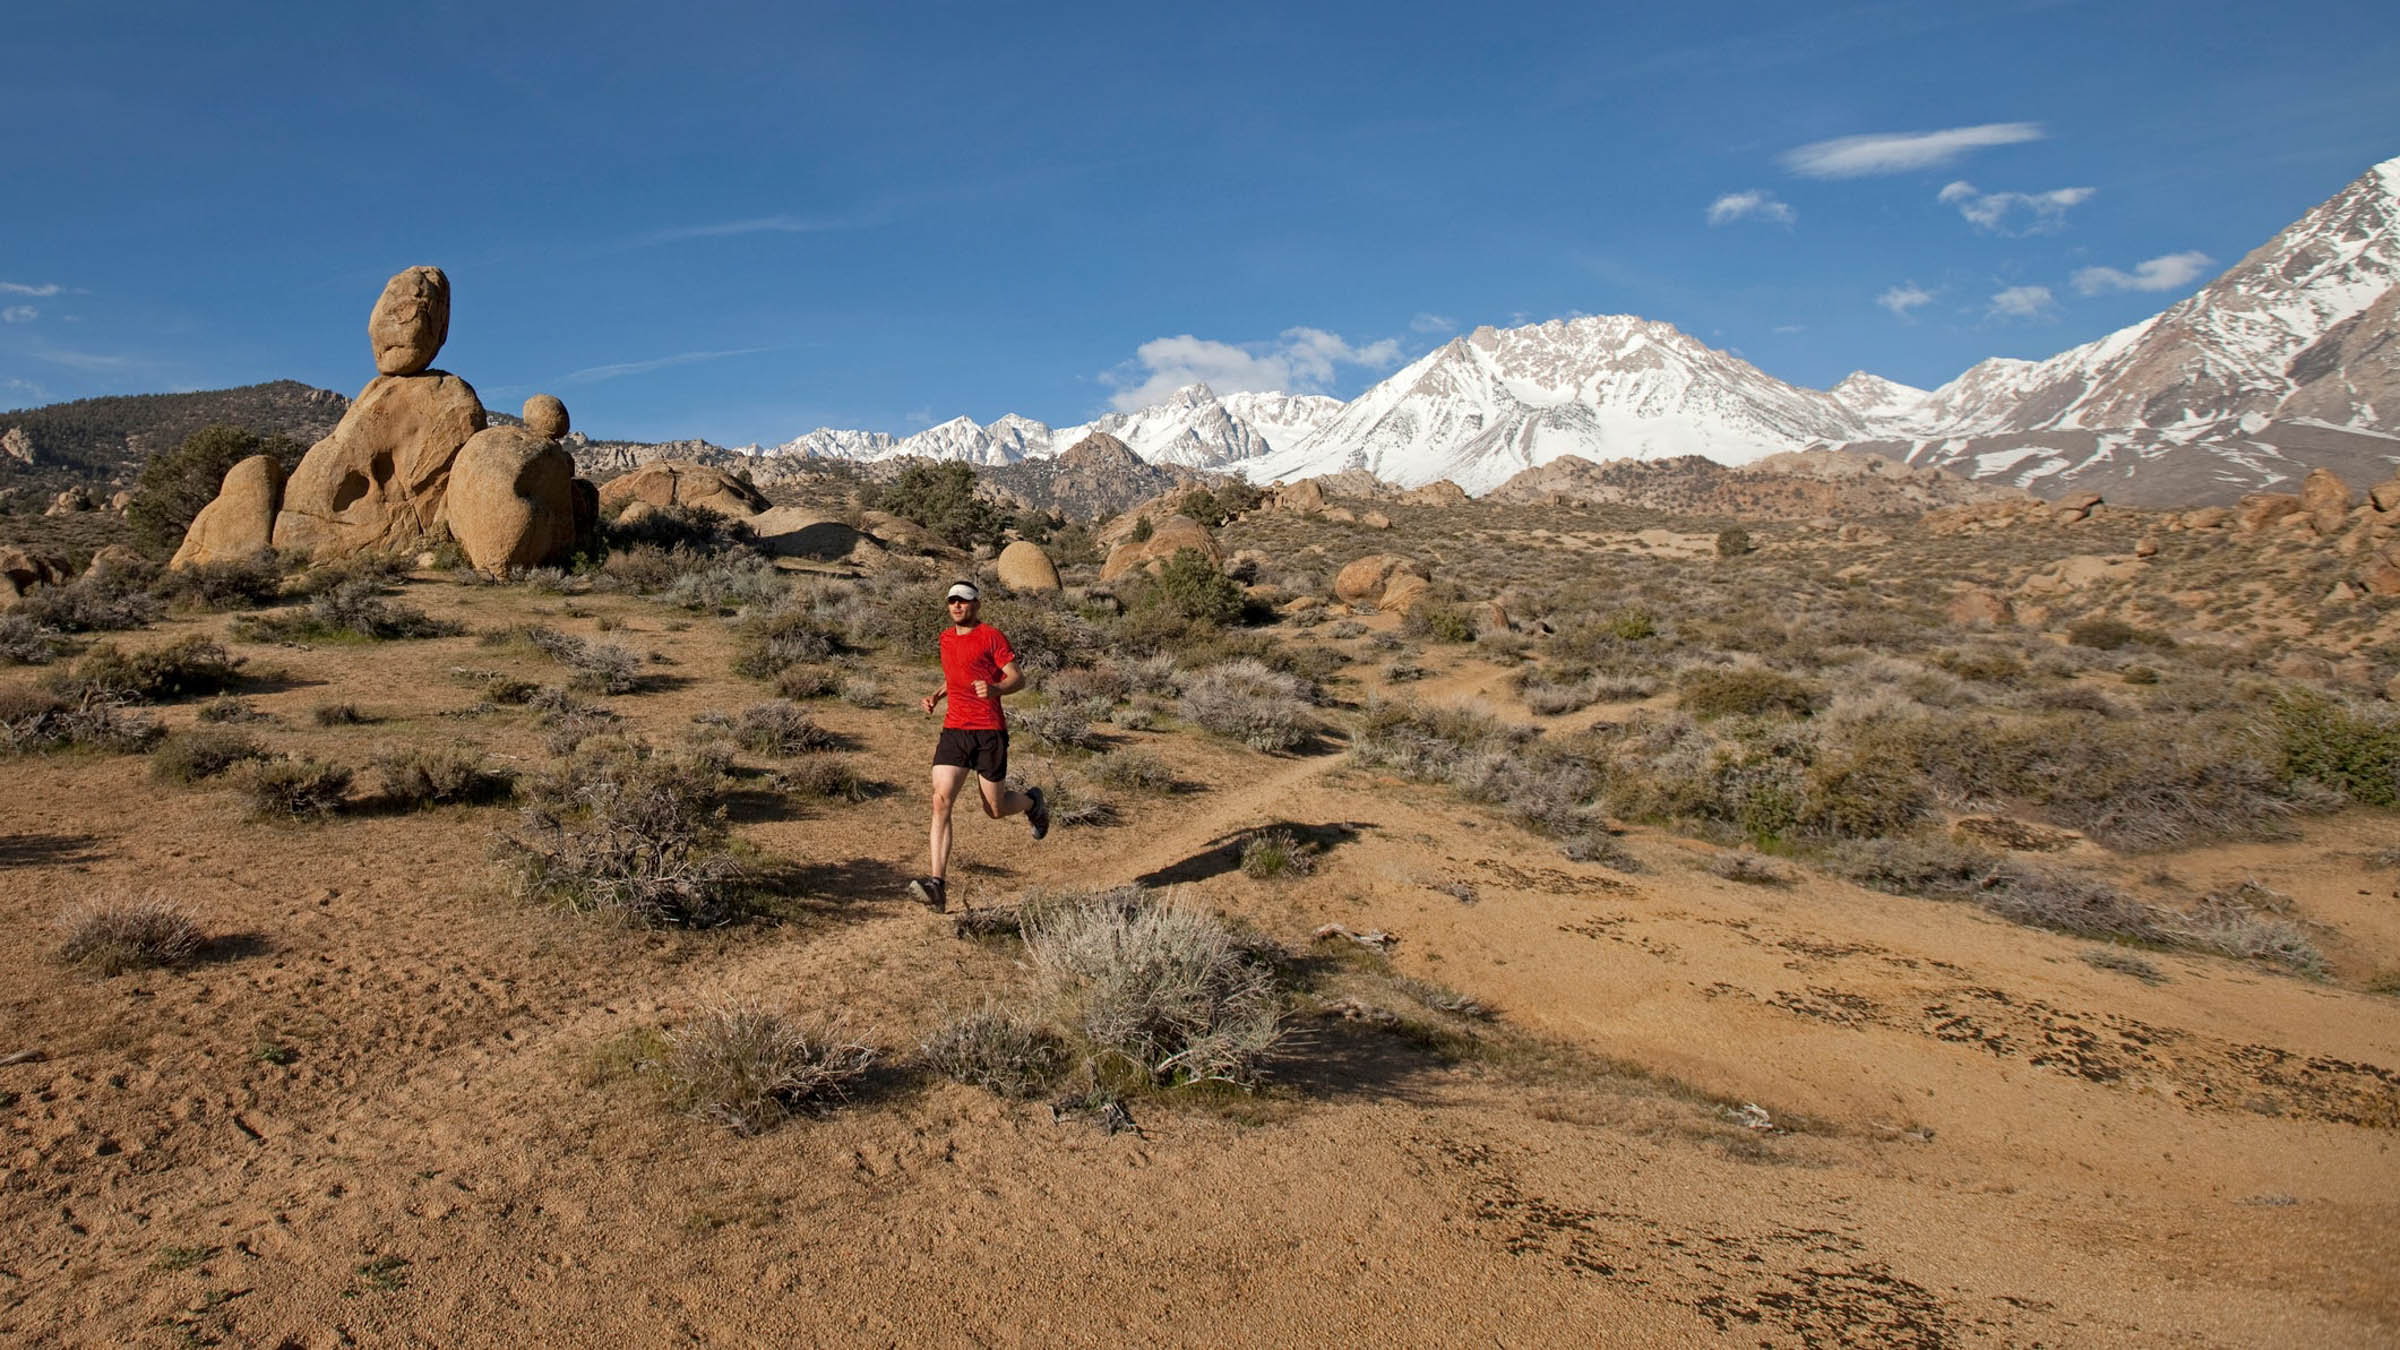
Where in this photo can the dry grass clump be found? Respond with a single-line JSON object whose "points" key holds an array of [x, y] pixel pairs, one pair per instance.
{"points": [[1275, 854], [352, 608], [827, 778], [2248, 922], [800, 683], [1544, 787], [1158, 990], [25, 641], [203, 753], [1000, 1049], [292, 788], [743, 1065], [2124, 963], [725, 586], [1750, 869], [231, 708], [1246, 701], [776, 727], [231, 583], [102, 600], [441, 775], [181, 669], [32, 721], [112, 937], [1746, 691], [1133, 769], [796, 633], [339, 715], [623, 830], [1053, 727]]}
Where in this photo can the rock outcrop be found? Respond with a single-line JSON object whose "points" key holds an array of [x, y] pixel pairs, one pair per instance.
{"points": [[2326, 499], [680, 483], [1383, 580], [21, 571], [240, 522], [1977, 607], [511, 498], [1024, 566], [2258, 510], [797, 532], [1168, 537], [378, 482], [1441, 492]]}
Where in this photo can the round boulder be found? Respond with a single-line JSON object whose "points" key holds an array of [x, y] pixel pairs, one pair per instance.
{"points": [[1023, 566], [1980, 608], [512, 500], [377, 482], [1168, 537], [546, 417], [795, 532], [410, 321], [1379, 579]]}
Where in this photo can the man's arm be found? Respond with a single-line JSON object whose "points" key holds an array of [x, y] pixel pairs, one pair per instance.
{"points": [[935, 697], [1011, 680]]}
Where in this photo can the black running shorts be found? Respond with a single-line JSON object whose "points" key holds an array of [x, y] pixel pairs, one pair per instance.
{"points": [[986, 752]]}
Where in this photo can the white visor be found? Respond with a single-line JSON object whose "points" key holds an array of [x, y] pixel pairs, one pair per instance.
{"points": [[963, 591]]}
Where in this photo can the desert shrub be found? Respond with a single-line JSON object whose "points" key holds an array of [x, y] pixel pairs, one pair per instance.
{"points": [[1190, 587], [225, 708], [1932, 868], [203, 753], [778, 728], [1133, 769], [1543, 787], [647, 569], [1438, 621], [725, 585], [624, 831], [352, 608], [25, 642], [863, 691], [2248, 923], [1750, 869], [807, 682], [1733, 542], [1143, 529], [32, 721], [1160, 990], [1860, 793], [233, 583], [673, 529], [1631, 624], [1746, 691], [1404, 672], [112, 937], [2066, 902], [1089, 684], [999, 1049], [1271, 854], [339, 715], [2124, 963], [1596, 845], [941, 497], [1247, 702], [175, 484], [601, 667], [2343, 745], [827, 778], [2139, 675], [441, 775], [774, 640], [289, 788], [1993, 665], [749, 1068], [1053, 726], [180, 669], [1545, 698], [2100, 633], [102, 600], [375, 570]]}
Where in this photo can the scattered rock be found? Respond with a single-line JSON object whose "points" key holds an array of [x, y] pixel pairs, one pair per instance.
{"points": [[240, 522], [2207, 518], [2385, 496], [1375, 520], [668, 482], [2146, 546], [2380, 578], [2080, 501], [796, 532], [1023, 566], [1300, 498], [69, 502], [2257, 510], [1978, 607], [120, 501], [115, 556], [410, 321], [16, 445], [1341, 515]]}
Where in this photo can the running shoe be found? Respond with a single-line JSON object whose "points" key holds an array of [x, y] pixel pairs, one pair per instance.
{"points": [[931, 892], [1038, 813]]}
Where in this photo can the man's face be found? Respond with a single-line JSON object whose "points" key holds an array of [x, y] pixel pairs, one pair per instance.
{"points": [[962, 612]]}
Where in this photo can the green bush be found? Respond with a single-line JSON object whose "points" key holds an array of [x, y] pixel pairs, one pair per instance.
{"points": [[1193, 589], [234, 583], [1748, 691], [1439, 621], [202, 753], [1733, 542], [2339, 744], [941, 497]]}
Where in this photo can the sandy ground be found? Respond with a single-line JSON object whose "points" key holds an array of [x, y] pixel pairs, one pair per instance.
{"points": [[1976, 1137]]}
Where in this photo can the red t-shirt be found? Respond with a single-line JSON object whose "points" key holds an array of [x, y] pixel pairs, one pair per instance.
{"points": [[977, 654]]}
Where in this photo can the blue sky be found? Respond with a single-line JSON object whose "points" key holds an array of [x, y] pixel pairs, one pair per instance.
{"points": [[743, 222]]}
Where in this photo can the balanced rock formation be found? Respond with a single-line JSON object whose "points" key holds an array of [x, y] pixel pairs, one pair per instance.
{"points": [[377, 483], [410, 321], [240, 522], [1023, 566], [1384, 580], [511, 496], [1168, 537], [668, 482], [2385, 496]]}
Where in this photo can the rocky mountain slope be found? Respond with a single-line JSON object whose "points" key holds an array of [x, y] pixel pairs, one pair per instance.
{"points": [[1794, 485]]}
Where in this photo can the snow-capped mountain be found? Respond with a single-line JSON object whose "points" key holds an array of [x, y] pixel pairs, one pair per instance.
{"points": [[1486, 406]]}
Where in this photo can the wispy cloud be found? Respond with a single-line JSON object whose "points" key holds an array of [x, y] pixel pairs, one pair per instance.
{"points": [[2041, 212], [595, 374], [1299, 361], [25, 387], [723, 229], [2172, 272], [20, 288], [1787, 329], [1756, 204], [19, 314], [1901, 151], [2022, 302], [919, 416], [1901, 299], [75, 360], [1433, 323]]}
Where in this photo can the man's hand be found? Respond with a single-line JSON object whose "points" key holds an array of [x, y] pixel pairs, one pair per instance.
{"points": [[982, 688], [928, 701]]}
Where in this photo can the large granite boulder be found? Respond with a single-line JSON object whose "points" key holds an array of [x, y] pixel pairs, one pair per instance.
{"points": [[2257, 510], [2326, 499], [240, 522], [21, 571], [546, 417], [1168, 537], [511, 501], [1023, 566], [410, 321], [668, 482], [797, 532], [377, 484], [1441, 492], [1384, 580]]}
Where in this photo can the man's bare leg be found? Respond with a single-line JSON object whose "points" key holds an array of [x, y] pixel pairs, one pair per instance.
{"points": [[947, 780], [1000, 800]]}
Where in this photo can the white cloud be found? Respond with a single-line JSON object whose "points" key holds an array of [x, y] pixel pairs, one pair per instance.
{"points": [[1902, 151], [19, 314], [26, 387], [595, 374], [1300, 361], [75, 360], [1903, 298], [1790, 328], [2172, 272], [2022, 302], [20, 288], [2043, 212], [1757, 202], [1433, 323]]}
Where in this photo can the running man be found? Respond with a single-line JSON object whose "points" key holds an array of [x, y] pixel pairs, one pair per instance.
{"points": [[977, 668]]}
